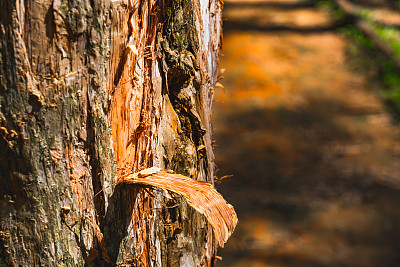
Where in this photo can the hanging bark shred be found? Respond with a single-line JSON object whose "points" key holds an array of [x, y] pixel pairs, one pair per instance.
{"points": [[202, 196]]}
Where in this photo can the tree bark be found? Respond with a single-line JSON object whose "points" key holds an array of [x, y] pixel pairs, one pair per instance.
{"points": [[91, 91]]}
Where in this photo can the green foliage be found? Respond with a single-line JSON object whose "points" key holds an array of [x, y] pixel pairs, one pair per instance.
{"points": [[332, 8], [353, 33], [366, 14], [390, 36], [387, 77], [391, 82]]}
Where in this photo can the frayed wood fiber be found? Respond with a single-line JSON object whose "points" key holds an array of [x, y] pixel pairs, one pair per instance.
{"points": [[202, 196]]}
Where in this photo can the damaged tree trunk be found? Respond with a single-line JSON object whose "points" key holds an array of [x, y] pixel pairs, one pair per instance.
{"points": [[93, 91]]}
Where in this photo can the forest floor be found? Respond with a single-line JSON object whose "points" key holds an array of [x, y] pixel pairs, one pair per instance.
{"points": [[314, 155]]}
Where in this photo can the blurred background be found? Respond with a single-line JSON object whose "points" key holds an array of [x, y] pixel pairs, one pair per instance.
{"points": [[305, 119]]}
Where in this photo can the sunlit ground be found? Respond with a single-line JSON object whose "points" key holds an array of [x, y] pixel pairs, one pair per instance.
{"points": [[315, 158]]}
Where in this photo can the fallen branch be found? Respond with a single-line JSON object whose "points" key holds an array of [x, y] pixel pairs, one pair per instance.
{"points": [[368, 29]]}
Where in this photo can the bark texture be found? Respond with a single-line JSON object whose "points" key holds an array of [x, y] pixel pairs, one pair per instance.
{"points": [[91, 91]]}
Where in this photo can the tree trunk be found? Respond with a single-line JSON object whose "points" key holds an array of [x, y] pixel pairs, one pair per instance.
{"points": [[91, 91]]}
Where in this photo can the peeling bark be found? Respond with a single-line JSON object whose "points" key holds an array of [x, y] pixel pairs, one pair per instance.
{"points": [[91, 91]]}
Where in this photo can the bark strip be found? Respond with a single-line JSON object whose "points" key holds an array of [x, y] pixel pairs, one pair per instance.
{"points": [[200, 195]]}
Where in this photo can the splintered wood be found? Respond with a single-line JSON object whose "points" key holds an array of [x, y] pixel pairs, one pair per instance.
{"points": [[201, 196]]}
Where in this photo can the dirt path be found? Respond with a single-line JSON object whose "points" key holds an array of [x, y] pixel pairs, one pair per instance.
{"points": [[315, 158]]}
